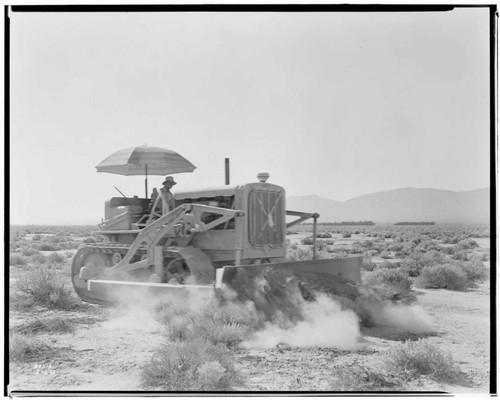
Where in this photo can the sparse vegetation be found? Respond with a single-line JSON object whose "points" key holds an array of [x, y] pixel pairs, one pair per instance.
{"points": [[17, 259], [401, 364], [475, 270], [45, 287], [299, 254], [394, 277], [324, 235], [27, 349], [194, 365], [38, 259], [416, 358], [201, 349], [198, 355], [445, 276], [308, 240], [56, 258], [357, 378], [53, 325]]}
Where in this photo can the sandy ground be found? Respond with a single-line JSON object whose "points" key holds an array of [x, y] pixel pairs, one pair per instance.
{"points": [[109, 347], [462, 328]]}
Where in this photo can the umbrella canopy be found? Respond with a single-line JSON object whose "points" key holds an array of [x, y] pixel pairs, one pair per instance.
{"points": [[145, 160]]}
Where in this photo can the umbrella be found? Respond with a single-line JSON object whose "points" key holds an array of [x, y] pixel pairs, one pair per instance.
{"points": [[144, 160]]}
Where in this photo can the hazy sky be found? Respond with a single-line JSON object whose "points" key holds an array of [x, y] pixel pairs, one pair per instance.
{"points": [[332, 104]]}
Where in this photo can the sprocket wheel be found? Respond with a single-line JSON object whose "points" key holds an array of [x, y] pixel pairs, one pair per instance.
{"points": [[95, 264]]}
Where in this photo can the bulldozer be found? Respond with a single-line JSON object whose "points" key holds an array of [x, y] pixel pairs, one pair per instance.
{"points": [[213, 238]]}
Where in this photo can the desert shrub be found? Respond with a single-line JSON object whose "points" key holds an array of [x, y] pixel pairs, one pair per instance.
{"points": [[414, 264], [445, 276], [481, 256], [48, 247], [219, 323], [428, 245], [451, 239], [290, 245], [437, 256], [458, 254], [169, 308], [45, 286], [37, 237], [28, 251], [324, 235], [346, 235], [475, 270], [55, 258], [209, 328], [26, 349], [356, 378], [368, 244], [372, 253], [385, 255], [369, 266], [467, 244], [419, 357], [395, 246], [38, 259], [389, 276], [389, 264], [321, 245], [231, 313], [408, 248], [308, 240], [446, 250], [192, 365], [339, 253], [299, 254], [379, 247], [52, 325], [17, 259], [55, 239], [357, 248]]}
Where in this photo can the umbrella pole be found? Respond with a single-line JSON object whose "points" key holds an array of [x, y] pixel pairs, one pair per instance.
{"points": [[146, 180]]}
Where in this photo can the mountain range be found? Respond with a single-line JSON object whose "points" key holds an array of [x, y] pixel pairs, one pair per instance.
{"points": [[401, 205]]}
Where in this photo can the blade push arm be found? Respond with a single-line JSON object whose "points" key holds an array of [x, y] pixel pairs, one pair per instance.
{"points": [[182, 221]]}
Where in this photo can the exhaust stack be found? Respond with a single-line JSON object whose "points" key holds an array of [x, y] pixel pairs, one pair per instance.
{"points": [[227, 170]]}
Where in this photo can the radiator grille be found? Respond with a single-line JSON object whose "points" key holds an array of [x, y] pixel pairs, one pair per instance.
{"points": [[266, 218]]}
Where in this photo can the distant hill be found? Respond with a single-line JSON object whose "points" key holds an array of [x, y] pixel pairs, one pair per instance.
{"points": [[405, 204]]}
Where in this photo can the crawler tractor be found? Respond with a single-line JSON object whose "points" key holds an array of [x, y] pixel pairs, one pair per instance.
{"points": [[211, 238]]}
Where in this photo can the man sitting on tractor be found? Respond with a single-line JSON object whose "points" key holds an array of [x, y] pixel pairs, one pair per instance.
{"points": [[168, 203]]}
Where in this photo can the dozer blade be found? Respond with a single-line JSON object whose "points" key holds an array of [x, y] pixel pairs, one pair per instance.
{"points": [[339, 276], [346, 269], [275, 288], [114, 291]]}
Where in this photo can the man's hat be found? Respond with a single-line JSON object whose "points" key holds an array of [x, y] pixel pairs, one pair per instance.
{"points": [[170, 180]]}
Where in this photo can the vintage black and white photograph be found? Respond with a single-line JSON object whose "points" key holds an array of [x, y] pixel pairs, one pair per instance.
{"points": [[254, 199]]}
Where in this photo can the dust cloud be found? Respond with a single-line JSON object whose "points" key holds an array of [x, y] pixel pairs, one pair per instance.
{"points": [[134, 308], [283, 310], [324, 324], [134, 312], [404, 318]]}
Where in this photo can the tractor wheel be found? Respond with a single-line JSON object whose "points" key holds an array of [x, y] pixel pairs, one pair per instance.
{"points": [[88, 265]]}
